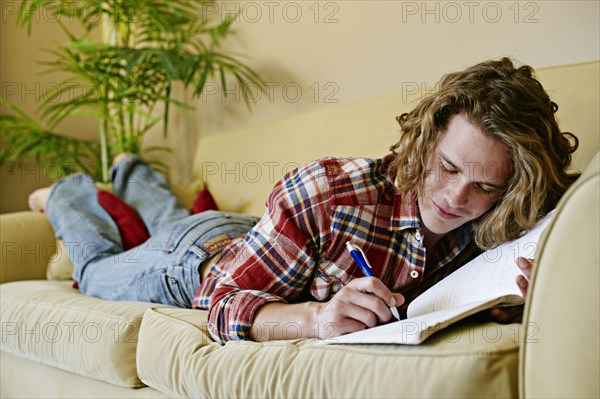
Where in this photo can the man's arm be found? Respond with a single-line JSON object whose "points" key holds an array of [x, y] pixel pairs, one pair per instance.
{"points": [[276, 260], [363, 303]]}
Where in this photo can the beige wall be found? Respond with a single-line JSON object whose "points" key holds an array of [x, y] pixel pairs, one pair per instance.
{"points": [[339, 51], [317, 54], [24, 84]]}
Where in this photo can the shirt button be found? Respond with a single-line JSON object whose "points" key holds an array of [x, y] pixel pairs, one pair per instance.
{"points": [[414, 273], [418, 236]]}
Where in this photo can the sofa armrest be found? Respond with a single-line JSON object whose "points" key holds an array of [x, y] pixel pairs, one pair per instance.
{"points": [[27, 243], [561, 340]]}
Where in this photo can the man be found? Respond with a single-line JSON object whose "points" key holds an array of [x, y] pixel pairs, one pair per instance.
{"points": [[478, 162]]}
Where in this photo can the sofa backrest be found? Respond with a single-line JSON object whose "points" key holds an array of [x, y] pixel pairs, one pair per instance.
{"points": [[560, 340], [242, 165]]}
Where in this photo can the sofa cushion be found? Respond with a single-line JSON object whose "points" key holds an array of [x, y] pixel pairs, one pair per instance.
{"points": [[51, 323], [59, 265], [177, 356], [17, 374]]}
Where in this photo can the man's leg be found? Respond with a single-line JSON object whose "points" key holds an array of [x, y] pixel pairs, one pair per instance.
{"points": [[102, 269], [88, 231], [147, 191], [166, 268]]}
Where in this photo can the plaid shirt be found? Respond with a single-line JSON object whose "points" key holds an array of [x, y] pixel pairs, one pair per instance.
{"points": [[297, 252]]}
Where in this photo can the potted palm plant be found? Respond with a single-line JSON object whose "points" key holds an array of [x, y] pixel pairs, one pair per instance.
{"points": [[146, 47]]}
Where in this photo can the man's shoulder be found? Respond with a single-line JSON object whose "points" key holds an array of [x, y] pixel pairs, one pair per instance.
{"points": [[330, 170], [352, 167], [344, 180], [355, 180]]}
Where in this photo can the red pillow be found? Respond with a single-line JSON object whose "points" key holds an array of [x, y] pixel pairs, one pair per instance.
{"points": [[131, 227], [204, 202]]}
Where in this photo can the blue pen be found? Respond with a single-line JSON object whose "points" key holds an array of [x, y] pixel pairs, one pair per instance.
{"points": [[363, 263]]}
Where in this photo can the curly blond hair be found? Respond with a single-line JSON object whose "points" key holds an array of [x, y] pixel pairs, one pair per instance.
{"points": [[509, 104]]}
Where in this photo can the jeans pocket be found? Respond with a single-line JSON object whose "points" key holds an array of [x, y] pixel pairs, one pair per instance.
{"points": [[175, 291]]}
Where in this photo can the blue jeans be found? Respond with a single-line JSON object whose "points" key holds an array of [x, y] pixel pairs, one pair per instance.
{"points": [[164, 269]]}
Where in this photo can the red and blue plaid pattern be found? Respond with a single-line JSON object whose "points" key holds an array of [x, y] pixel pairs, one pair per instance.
{"points": [[297, 252]]}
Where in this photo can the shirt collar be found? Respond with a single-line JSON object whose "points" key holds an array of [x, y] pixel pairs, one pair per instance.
{"points": [[405, 214]]}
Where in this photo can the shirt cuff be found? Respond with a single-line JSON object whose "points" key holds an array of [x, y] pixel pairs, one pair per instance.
{"points": [[231, 318]]}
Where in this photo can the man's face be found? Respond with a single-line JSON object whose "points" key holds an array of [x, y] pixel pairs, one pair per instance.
{"points": [[466, 175]]}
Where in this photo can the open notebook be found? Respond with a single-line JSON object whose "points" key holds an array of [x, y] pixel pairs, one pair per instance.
{"points": [[485, 282]]}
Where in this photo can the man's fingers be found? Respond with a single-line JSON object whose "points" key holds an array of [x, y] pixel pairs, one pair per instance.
{"points": [[372, 308], [399, 300], [374, 286], [523, 280], [507, 315], [523, 285], [525, 265]]}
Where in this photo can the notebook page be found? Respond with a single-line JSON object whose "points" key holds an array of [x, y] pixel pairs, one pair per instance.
{"points": [[492, 274]]}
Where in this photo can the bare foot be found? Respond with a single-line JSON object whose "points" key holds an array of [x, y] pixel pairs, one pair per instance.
{"points": [[120, 156], [37, 199]]}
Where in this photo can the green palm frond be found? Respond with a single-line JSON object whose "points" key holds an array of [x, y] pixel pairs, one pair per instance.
{"points": [[157, 43], [23, 139]]}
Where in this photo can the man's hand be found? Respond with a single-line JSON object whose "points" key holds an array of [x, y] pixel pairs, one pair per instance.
{"points": [[363, 303], [515, 313]]}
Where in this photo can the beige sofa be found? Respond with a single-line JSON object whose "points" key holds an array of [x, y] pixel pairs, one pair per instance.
{"points": [[58, 343]]}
